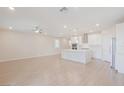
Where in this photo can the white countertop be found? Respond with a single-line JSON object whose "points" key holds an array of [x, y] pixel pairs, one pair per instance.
{"points": [[79, 55], [78, 50]]}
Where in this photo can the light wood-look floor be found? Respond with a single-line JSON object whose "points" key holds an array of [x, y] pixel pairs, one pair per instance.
{"points": [[55, 71]]}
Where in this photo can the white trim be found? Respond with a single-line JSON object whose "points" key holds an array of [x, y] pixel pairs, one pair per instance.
{"points": [[14, 59]]}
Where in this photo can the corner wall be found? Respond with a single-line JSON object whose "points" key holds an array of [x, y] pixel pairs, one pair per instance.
{"points": [[120, 48], [101, 43], [18, 45]]}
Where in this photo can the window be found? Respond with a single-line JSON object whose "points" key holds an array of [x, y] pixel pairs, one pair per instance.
{"points": [[57, 43]]}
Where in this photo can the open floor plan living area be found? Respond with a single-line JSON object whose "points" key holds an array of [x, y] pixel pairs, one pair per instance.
{"points": [[61, 46]]}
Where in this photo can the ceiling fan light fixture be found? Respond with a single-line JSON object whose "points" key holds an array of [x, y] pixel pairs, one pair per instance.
{"points": [[11, 8], [37, 31]]}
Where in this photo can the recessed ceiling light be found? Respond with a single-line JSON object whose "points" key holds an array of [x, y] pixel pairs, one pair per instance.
{"points": [[10, 28], [97, 25], [11, 8], [65, 26]]}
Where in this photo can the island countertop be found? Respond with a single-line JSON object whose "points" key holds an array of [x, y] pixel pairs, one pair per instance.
{"points": [[80, 55]]}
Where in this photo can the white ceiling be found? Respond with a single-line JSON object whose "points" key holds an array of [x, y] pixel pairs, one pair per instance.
{"points": [[52, 21]]}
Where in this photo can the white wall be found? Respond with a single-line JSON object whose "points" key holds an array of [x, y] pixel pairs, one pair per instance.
{"points": [[17, 45], [101, 44], [64, 43], [94, 41], [120, 48], [107, 36]]}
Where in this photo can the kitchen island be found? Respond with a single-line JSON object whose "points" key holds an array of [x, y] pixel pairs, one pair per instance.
{"points": [[82, 55]]}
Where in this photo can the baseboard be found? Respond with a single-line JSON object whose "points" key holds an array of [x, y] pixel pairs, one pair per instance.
{"points": [[14, 59], [96, 58], [101, 59]]}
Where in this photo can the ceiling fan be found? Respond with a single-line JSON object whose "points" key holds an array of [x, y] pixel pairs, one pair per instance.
{"points": [[63, 9], [37, 29]]}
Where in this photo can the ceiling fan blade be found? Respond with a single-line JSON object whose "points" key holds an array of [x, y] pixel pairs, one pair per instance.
{"points": [[63, 9]]}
